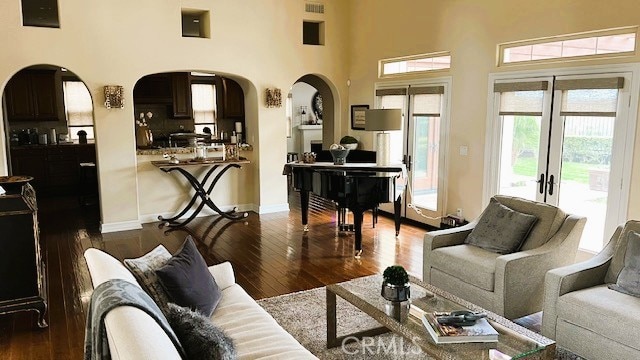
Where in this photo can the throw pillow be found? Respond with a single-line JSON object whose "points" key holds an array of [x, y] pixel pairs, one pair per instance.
{"points": [[629, 278], [501, 229], [144, 269], [187, 280], [198, 336]]}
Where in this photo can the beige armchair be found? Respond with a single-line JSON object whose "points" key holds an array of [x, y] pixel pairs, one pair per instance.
{"points": [[586, 317], [510, 285]]}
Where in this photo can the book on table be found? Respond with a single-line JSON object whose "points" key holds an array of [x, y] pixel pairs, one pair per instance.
{"points": [[481, 331]]}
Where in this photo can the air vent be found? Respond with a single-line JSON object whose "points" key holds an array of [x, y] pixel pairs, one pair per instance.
{"points": [[314, 8]]}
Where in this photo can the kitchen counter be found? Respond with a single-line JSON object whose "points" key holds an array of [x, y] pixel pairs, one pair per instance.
{"points": [[179, 150]]}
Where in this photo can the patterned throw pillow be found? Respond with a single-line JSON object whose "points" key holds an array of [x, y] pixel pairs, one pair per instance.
{"points": [[144, 269], [501, 229], [629, 278], [198, 336]]}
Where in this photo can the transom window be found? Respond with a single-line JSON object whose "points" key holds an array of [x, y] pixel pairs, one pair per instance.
{"points": [[415, 64], [604, 43]]}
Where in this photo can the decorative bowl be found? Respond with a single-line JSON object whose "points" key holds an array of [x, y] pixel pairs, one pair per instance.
{"points": [[352, 146], [339, 156]]}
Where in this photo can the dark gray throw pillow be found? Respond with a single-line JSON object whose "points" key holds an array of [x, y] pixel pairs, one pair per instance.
{"points": [[198, 336], [501, 229], [629, 278], [187, 280]]}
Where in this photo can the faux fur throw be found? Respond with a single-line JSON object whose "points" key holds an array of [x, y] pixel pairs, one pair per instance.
{"points": [[200, 338], [108, 296]]}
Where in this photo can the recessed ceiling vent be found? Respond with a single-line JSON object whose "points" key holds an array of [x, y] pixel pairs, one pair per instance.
{"points": [[317, 8]]}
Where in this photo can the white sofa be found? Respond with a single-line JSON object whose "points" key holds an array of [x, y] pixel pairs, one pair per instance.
{"points": [[133, 334]]}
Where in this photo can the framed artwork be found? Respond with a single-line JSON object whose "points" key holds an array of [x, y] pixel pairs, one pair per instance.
{"points": [[357, 116]]}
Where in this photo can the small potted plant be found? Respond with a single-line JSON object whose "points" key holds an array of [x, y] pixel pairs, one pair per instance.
{"points": [[349, 142], [395, 286]]}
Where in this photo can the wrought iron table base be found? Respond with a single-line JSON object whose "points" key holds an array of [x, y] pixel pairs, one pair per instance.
{"points": [[203, 195]]}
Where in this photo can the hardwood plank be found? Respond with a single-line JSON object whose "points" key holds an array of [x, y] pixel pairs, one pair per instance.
{"points": [[270, 254]]}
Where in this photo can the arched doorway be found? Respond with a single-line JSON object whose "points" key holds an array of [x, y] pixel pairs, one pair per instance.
{"points": [[49, 127], [311, 116]]}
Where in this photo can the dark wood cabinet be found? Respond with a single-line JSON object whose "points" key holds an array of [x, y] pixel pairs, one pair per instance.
{"points": [[230, 99], [181, 92], [55, 168], [22, 270], [153, 89], [33, 95]]}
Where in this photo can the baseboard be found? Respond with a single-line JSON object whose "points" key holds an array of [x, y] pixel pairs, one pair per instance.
{"points": [[120, 226], [149, 218], [266, 209]]}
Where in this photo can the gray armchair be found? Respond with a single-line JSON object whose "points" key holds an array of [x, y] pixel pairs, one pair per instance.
{"points": [[510, 285], [583, 315]]}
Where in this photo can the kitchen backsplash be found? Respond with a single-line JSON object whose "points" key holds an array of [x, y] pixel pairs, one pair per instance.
{"points": [[160, 124]]}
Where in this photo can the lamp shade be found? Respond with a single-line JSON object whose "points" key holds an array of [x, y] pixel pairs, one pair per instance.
{"points": [[383, 119]]}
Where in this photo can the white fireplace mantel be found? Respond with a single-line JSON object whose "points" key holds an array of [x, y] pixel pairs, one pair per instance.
{"points": [[309, 133]]}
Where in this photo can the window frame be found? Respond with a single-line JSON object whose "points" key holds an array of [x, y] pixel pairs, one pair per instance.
{"points": [[501, 48], [383, 62]]}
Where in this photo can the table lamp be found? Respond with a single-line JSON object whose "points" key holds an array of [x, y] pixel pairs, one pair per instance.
{"points": [[383, 120]]}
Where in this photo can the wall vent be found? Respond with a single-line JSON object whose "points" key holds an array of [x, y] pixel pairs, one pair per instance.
{"points": [[316, 8]]}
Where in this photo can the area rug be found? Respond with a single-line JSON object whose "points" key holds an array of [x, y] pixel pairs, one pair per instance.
{"points": [[303, 315]]}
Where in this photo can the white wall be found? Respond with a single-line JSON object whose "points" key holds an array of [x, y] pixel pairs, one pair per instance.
{"points": [[302, 93], [258, 42], [471, 31]]}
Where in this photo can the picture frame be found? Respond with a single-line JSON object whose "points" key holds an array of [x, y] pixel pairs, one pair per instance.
{"points": [[357, 116]]}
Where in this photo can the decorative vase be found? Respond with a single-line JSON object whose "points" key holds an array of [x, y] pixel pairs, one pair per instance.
{"points": [[396, 293], [144, 136], [398, 300]]}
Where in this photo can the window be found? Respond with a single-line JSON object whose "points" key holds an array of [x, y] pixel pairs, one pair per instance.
{"points": [[195, 23], [313, 32], [578, 46], [40, 13], [78, 108], [415, 64], [203, 100]]}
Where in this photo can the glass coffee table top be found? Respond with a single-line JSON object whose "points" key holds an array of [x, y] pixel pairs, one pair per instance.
{"points": [[514, 341]]}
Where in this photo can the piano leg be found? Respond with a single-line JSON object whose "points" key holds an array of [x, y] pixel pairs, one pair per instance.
{"points": [[304, 204], [397, 206], [357, 222]]}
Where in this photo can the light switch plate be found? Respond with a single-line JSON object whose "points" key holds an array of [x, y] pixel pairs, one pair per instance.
{"points": [[464, 150]]}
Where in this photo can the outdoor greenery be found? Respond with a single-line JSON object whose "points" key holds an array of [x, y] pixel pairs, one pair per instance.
{"points": [[571, 171]]}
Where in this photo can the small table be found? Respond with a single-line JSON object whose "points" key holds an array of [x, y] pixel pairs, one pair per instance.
{"points": [[364, 293], [199, 187]]}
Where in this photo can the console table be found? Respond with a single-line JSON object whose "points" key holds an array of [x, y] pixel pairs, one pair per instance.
{"points": [[202, 190]]}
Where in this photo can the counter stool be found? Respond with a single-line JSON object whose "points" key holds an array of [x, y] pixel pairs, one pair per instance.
{"points": [[88, 184]]}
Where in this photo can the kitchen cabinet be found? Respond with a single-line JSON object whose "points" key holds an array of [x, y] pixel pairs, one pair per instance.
{"points": [[55, 168], [181, 96], [230, 99], [153, 89], [22, 269], [33, 95]]}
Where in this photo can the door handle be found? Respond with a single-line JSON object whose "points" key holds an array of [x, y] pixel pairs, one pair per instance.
{"points": [[550, 183], [541, 184], [409, 164]]}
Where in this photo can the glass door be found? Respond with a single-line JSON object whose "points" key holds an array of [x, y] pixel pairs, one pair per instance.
{"points": [[560, 140], [418, 145]]}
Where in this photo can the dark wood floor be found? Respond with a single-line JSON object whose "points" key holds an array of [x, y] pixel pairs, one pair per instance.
{"points": [[270, 253]]}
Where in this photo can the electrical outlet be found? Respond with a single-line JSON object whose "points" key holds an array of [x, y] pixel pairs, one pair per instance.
{"points": [[459, 213]]}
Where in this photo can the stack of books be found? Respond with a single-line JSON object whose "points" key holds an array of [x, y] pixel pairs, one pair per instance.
{"points": [[481, 331]]}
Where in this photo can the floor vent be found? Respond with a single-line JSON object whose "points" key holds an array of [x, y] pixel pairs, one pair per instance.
{"points": [[314, 8]]}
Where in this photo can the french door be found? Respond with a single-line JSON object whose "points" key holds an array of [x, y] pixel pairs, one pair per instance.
{"points": [[420, 145], [561, 140]]}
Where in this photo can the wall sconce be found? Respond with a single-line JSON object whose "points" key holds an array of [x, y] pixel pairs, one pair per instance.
{"points": [[274, 98], [113, 97]]}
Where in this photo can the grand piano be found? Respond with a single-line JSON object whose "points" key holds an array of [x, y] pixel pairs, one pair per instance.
{"points": [[355, 186]]}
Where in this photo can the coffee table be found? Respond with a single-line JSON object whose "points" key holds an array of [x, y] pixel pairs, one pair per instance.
{"points": [[514, 341]]}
